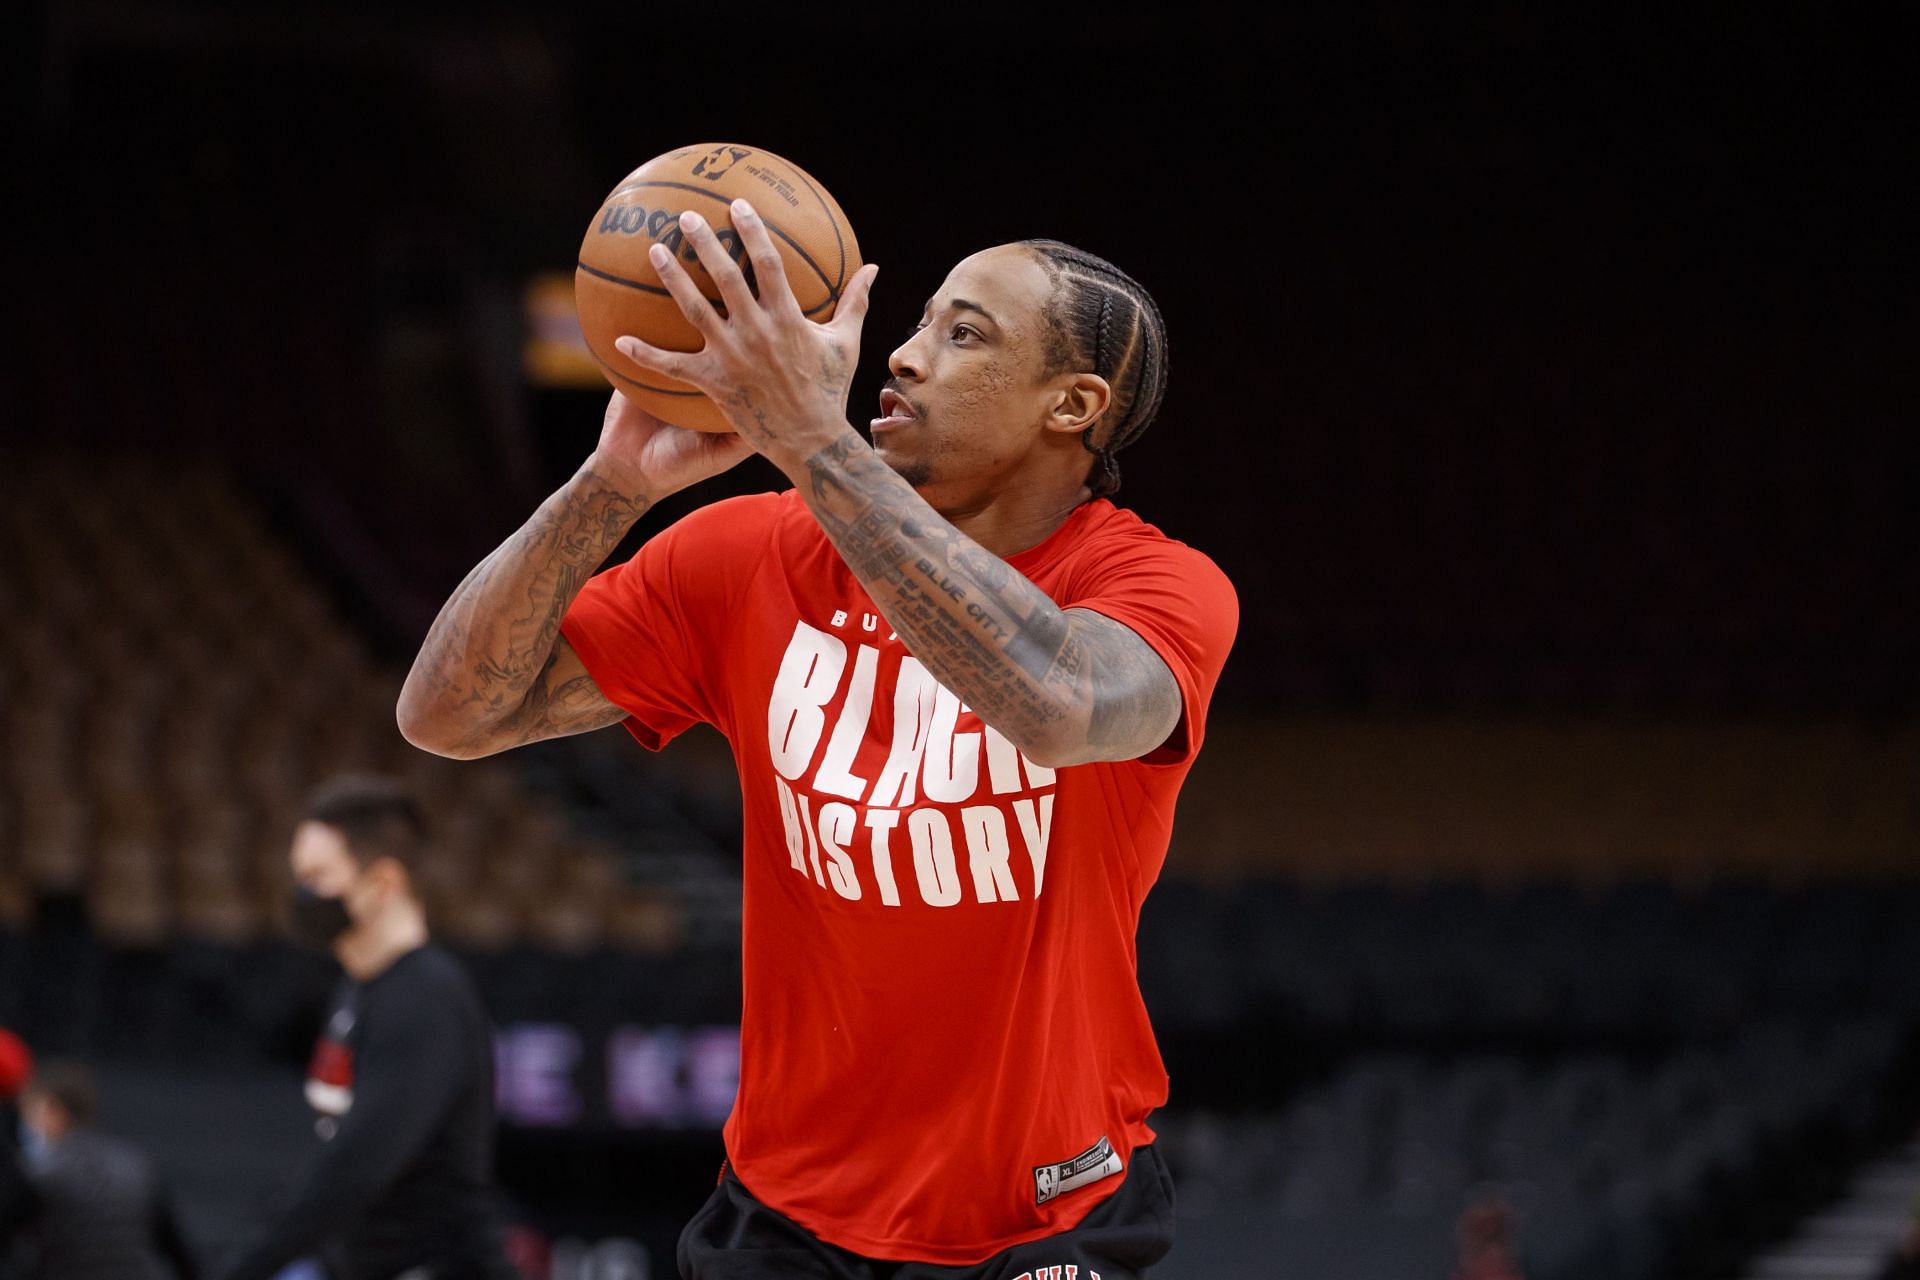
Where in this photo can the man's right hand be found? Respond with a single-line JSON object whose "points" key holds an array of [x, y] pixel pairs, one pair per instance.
{"points": [[644, 457]]}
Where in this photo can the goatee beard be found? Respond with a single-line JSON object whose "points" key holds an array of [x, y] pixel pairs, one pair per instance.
{"points": [[915, 473]]}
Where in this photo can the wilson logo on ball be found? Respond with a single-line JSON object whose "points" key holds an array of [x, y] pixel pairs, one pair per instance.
{"points": [[663, 225]]}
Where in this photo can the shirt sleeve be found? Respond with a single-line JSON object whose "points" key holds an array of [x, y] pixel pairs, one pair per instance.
{"points": [[410, 1063], [649, 631], [1181, 604]]}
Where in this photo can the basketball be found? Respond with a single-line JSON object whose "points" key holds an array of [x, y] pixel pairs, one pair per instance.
{"points": [[617, 291]]}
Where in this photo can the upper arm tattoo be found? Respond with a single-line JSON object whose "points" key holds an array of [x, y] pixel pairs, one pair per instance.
{"points": [[1133, 701], [562, 700], [494, 671]]}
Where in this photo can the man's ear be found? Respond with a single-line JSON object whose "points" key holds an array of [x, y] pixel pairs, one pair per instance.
{"points": [[1078, 402], [389, 874]]}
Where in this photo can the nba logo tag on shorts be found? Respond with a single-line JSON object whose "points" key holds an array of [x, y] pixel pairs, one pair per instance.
{"points": [[1098, 1161]]}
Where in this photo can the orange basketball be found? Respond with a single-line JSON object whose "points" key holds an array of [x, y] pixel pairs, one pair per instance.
{"points": [[616, 290]]}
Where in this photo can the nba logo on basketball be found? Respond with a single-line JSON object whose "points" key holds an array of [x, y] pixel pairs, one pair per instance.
{"points": [[717, 161]]}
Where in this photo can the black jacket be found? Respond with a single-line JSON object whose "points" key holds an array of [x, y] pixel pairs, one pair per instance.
{"points": [[99, 1213], [403, 1177]]}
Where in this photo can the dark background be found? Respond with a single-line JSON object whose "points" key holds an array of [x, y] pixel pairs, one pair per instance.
{"points": [[1499, 340]]}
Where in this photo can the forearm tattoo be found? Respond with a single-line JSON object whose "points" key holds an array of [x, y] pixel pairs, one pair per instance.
{"points": [[1069, 682], [488, 663]]}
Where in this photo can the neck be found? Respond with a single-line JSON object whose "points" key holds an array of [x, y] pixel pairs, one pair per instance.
{"points": [[367, 952], [1006, 523]]}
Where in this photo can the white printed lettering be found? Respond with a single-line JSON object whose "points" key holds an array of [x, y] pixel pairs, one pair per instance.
{"points": [[813, 844], [790, 821], [849, 731], [1003, 763], [882, 822], [987, 853], [1036, 830], [933, 857], [914, 692], [952, 767], [809, 674], [837, 822]]}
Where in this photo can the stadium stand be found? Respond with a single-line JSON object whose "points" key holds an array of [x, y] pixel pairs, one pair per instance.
{"points": [[1615, 1168], [176, 681]]}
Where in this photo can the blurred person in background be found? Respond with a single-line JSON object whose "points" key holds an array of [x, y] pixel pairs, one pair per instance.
{"points": [[1904, 1262], [401, 1081], [16, 1203], [1485, 1236], [98, 1209]]}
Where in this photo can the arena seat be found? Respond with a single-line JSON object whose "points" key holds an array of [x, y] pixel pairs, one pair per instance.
{"points": [[185, 682], [1614, 1165]]}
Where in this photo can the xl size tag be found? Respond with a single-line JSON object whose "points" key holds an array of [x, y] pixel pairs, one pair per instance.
{"points": [[1098, 1161]]}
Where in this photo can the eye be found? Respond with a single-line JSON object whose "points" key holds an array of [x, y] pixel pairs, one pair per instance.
{"points": [[916, 327], [961, 331]]}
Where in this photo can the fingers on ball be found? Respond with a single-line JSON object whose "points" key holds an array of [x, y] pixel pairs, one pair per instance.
{"points": [[770, 269], [695, 305], [718, 262], [675, 364]]}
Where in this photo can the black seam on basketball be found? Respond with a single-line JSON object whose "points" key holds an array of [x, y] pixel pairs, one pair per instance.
{"points": [[833, 295], [833, 222], [611, 278], [774, 227], [612, 372]]}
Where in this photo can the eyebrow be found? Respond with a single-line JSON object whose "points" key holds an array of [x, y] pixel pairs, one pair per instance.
{"points": [[965, 305]]}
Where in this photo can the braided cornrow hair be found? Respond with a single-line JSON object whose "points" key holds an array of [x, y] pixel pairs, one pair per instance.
{"points": [[1105, 320]]}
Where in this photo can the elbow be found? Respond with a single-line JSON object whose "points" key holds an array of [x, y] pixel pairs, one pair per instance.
{"points": [[445, 746], [1063, 756], [430, 730], [1054, 750], [1051, 743], [1125, 731], [415, 719], [419, 731]]}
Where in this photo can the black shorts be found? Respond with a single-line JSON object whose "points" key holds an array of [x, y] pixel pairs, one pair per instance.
{"points": [[735, 1237]]}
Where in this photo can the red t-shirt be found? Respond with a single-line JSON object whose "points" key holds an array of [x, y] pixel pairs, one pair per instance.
{"points": [[943, 1049]]}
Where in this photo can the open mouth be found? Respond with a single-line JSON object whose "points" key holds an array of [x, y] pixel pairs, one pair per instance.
{"points": [[894, 411]]}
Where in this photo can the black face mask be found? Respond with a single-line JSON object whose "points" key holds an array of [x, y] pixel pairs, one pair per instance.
{"points": [[316, 921]]}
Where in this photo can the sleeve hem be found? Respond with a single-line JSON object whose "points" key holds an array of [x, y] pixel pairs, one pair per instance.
{"points": [[591, 658]]}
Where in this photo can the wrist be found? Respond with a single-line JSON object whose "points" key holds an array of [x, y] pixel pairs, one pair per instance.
{"points": [[605, 474], [795, 451]]}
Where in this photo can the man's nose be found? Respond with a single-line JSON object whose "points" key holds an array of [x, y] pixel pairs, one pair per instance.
{"points": [[905, 362]]}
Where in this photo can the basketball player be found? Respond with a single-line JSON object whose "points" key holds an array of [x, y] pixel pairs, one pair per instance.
{"points": [[962, 689], [402, 1080]]}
